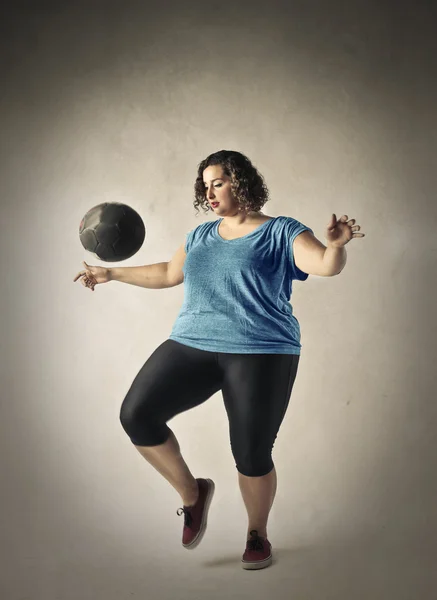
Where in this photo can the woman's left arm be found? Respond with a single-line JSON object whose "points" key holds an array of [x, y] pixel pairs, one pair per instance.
{"points": [[312, 257]]}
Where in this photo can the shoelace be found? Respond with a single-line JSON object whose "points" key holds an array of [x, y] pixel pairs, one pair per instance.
{"points": [[188, 519], [255, 543]]}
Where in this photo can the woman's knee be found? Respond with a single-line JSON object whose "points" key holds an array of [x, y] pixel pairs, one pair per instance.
{"points": [[143, 426], [254, 465]]}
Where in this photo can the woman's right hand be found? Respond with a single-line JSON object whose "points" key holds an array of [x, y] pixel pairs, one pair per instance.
{"points": [[91, 276]]}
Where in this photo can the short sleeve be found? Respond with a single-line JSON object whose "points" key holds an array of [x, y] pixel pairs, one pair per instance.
{"points": [[194, 236], [294, 229], [189, 240]]}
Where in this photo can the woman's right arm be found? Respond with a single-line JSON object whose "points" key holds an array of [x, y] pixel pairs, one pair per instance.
{"points": [[156, 276], [147, 276]]}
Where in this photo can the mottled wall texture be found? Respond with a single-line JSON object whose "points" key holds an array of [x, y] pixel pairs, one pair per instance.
{"points": [[335, 103]]}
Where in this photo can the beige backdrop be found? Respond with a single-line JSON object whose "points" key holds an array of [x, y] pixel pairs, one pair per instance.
{"points": [[120, 102]]}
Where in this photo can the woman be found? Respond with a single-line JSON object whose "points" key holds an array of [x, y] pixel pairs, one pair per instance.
{"points": [[235, 332]]}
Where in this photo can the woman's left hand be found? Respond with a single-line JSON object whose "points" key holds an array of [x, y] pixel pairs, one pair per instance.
{"points": [[339, 233]]}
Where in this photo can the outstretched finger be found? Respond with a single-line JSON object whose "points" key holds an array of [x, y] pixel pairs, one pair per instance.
{"points": [[79, 275]]}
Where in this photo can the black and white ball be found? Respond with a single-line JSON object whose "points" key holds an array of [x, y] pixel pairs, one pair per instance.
{"points": [[112, 231]]}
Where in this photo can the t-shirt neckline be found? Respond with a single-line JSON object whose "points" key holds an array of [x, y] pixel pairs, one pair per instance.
{"points": [[243, 237]]}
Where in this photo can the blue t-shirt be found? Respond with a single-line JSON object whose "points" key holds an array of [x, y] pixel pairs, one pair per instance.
{"points": [[237, 292]]}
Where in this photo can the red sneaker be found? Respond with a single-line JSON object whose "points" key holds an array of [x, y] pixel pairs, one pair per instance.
{"points": [[195, 517], [258, 553]]}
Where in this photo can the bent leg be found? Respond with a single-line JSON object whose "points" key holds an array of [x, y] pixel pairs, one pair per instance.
{"points": [[174, 379]]}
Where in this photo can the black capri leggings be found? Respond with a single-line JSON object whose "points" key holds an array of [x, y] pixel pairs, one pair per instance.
{"points": [[256, 389]]}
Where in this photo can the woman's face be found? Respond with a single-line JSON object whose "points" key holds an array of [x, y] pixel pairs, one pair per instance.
{"points": [[218, 190]]}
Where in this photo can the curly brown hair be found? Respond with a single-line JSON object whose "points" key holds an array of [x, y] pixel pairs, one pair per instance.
{"points": [[247, 184]]}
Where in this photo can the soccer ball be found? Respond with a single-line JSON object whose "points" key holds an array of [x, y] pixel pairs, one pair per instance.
{"points": [[112, 231]]}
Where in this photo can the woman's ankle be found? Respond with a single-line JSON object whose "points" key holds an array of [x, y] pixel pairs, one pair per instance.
{"points": [[190, 497]]}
